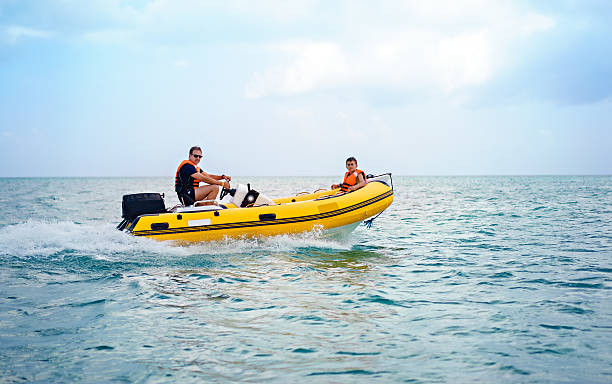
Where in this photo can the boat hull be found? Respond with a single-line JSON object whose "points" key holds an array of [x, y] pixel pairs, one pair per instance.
{"points": [[304, 213]]}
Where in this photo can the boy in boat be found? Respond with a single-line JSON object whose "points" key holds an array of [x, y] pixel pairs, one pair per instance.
{"points": [[188, 177], [353, 179]]}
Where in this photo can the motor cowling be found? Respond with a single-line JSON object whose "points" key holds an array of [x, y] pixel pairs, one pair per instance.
{"points": [[138, 204], [244, 196]]}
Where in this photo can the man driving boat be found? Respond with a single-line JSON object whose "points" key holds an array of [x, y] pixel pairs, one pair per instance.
{"points": [[188, 178]]}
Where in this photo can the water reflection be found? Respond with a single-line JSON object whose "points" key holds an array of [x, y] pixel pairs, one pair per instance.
{"points": [[351, 260]]}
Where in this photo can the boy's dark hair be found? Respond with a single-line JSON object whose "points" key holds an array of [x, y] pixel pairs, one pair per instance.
{"points": [[193, 149], [351, 159]]}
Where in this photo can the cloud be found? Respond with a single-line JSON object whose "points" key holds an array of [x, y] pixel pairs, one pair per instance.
{"points": [[187, 22], [462, 61], [435, 50], [314, 65], [107, 36], [568, 65], [534, 22], [395, 50], [414, 60], [181, 64], [15, 33]]}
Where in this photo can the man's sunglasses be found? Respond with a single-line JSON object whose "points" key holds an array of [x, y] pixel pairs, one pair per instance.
{"points": [[197, 156]]}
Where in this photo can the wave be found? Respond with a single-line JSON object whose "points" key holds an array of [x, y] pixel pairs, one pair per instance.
{"points": [[48, 239], [36, 239]]}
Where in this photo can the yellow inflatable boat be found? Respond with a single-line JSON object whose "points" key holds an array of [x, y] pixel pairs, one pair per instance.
{"points": [[251, 214]]}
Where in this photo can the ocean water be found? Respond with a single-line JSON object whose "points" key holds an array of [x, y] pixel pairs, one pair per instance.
{"points": [[462, 279]]}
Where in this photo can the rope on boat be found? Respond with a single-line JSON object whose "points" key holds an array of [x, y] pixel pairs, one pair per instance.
{"points": [[368, 223]]}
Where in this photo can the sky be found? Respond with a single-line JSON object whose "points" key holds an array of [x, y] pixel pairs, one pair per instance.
{"points": [[281, 88]]}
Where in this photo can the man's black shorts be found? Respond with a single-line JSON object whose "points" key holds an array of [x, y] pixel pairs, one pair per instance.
{"points": [[188, 197]]}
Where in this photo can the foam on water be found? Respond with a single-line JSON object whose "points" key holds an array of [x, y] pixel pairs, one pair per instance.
{"points": [[48, 239], [280, 243]]}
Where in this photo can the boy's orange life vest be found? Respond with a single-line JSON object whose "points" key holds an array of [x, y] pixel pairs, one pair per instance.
{"points": [[350, 179], [179, 184]]}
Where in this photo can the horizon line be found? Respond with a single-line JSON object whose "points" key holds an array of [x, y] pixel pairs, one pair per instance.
{"points": [[305, 176]]}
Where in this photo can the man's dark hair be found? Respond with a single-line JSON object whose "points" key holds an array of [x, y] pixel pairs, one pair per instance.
{"points": [[193, 149], [351, 159]]}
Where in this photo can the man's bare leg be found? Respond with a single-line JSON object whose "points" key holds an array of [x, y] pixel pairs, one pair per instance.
{"points": [[206, 192]]}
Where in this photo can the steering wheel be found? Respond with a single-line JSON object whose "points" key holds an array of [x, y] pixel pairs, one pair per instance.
{"points": [[224, 192]]}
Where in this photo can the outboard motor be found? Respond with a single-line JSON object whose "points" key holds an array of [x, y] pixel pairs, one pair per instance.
{"points": [[140, 204], [243, 196]]}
